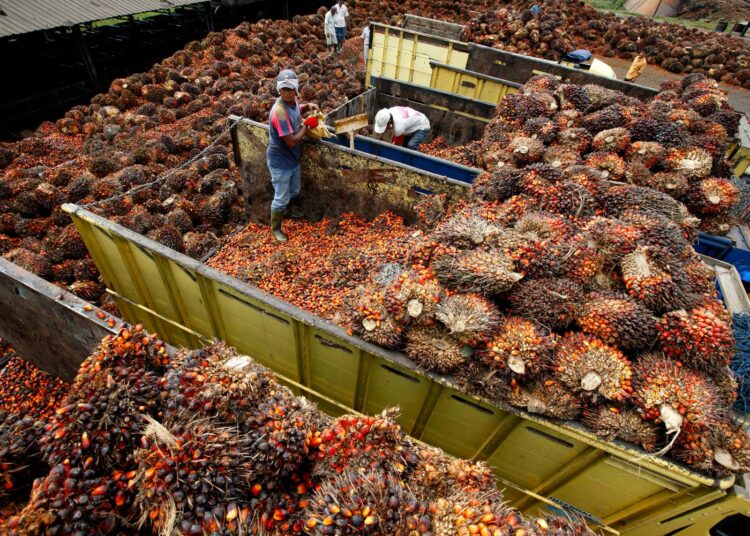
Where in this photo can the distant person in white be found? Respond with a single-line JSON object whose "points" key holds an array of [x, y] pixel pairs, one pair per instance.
{"points": [[341, 22], [410, 127], [329, 29], [366, 38]]}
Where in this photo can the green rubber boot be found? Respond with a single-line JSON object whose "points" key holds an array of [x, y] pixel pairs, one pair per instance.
{"points": [[292, 210], [276, 217]]}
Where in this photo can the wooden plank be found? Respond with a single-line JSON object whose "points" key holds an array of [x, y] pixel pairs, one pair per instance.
{"points": [[45, 324]]}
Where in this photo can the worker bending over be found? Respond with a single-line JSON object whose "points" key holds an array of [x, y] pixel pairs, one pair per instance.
{"points": [[285, 149], [410, 127]]}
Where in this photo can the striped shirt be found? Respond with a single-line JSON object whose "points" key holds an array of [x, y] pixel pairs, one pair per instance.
{"points": [[283, 121]]}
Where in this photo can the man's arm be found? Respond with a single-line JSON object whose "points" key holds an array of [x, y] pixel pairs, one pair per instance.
{"points": [[292, 140]]}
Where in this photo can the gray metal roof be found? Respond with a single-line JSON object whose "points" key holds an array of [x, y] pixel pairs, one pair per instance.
{"points": [[22, 16]]}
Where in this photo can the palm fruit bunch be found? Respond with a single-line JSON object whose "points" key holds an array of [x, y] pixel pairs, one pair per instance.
{"points": [[101, 419], [552, 302], [20, 462], [693, 163], [186, 469], [74, 500], [469, 318], [478, 379], [712, 196], [485, 271], [464, 514], [654, 278], [370, 443], [496, 185], [520, 349], [433, 348], [547, 397], [724, 450], [614, 140], [618, 320], [698, 338], [522, 151], [544, 226], [621, 198], [614, 422], [588, 366], [371, 320], [465, 231], [538, 179], [614, 238], [659, 230], [675, 395], [438, 475], [352, 502], [413, 297], [671, 183], [647, 153]]}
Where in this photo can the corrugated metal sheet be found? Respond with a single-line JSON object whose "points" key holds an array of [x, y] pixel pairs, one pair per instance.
{"points": [[22, 16]]}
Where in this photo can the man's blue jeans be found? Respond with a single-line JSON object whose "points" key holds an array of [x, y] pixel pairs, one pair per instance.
{"points": [[340, 35], [416, 139], [286, 186]]}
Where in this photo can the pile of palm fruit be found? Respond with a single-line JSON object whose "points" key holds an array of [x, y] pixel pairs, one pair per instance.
{"points": [[675, 143], [565, 25], [561, 291], [199, 442]]}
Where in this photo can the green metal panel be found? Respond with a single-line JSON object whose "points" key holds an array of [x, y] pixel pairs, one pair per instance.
{"points": [[541, 460]]}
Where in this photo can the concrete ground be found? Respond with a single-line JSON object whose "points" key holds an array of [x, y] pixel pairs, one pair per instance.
{"points": [[652, 76]]}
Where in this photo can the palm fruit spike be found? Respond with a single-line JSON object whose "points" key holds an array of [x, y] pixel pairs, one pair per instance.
{"points": [[659, 231], [610, 117], [483, 381], [587, 366], [614, 422], [497, 185], [439, 475], [370, 443], [520, 348], [357, 502], [648, 153], [618, 320], [720, 224], [552, 302], [433, 348], [698, 338], [692, 163], [673, 394], [371, 320], [545, 226], [547, 397], [612, 140], [610, 164], [712, 196], [470, 318], [523, 151], [613, 238], [172, 489], [541, 128], [581, 260], [413, 297], [576, 139], [654, 278], [538, 179], [700, 277], [673, 184], [573, 97], [568, 199], [568, 119], [588, 177], [101, 418], [72, 500], [540, 83], [620, 198], [731, 446], [560, 157], [509, 211], [485, 271], [465, 230]]}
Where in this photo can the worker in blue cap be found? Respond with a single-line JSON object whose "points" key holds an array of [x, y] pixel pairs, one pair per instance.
{"points": [[287, 129]]}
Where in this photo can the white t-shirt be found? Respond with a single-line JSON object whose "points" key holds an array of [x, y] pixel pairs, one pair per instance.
{"points": [[366, 34], [407, 120], [341, 14]]}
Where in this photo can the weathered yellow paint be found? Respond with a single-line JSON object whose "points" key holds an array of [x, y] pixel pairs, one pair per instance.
{"points": [[469, 84], [405, 55]]}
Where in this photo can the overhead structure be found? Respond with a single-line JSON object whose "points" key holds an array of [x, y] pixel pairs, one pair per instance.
{"points": [[24, 16]]}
